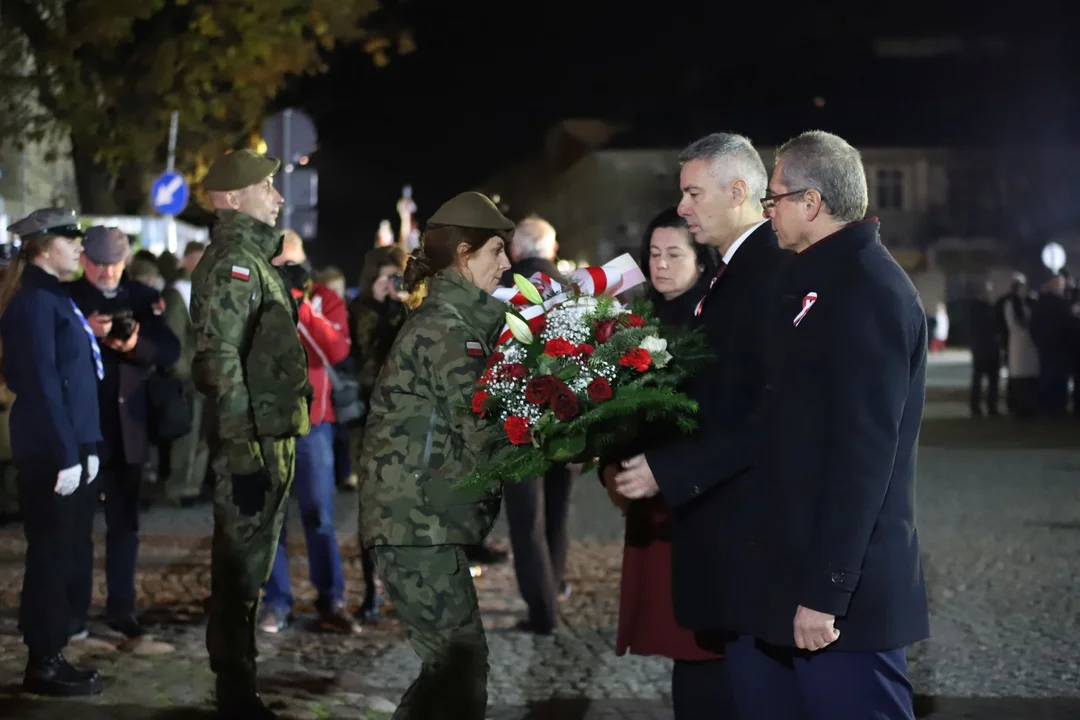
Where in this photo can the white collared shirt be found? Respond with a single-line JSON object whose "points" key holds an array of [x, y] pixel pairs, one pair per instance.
{"points": [[735, 245]]}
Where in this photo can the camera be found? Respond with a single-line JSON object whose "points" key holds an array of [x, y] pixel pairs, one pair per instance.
{"points": [[123, 319], [397, 281]]}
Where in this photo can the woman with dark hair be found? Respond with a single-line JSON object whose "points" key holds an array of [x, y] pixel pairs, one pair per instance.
{"points": [[375, 317], [421, 439], [679, 271], [52, 363]]}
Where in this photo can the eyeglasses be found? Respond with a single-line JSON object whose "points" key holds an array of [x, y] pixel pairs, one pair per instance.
{"points": [[769, 201]]}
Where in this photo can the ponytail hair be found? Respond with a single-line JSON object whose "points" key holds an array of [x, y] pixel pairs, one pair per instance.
{"points": [[438, 251], [11, 280]]}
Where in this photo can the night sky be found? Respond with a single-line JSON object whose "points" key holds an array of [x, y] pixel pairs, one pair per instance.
{"points": [[490, 77]]}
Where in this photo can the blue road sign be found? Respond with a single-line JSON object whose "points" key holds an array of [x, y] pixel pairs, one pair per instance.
{"points": [[169, 193]]}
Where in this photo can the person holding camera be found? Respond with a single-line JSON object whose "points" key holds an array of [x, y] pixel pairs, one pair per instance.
{"points": [[375, 317], [52, 363], [126, 318], [326, 343]]}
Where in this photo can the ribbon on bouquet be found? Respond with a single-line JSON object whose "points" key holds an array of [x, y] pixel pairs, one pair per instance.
{"points": [[611, 278]]}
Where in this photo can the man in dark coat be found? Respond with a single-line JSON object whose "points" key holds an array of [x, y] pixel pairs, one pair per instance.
{"points": [[834, 584], [704, 477], [127, 318], [538, 511]]}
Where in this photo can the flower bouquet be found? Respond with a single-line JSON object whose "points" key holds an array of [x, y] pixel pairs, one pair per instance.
{"points": [[575, 373]]}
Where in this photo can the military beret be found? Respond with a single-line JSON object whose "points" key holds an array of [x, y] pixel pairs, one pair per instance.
{"points": [[471, 210], [47, 221], [238, 170], [106, 245]]}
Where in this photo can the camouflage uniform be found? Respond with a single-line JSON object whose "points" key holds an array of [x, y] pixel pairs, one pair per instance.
{"points": [[372, 327], [251, 367], [421, 437]]}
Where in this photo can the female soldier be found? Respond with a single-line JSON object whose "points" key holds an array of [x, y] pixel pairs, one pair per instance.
{"points": [[420, 440], [51, 361]]}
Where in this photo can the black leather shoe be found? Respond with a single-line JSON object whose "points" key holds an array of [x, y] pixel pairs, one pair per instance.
{"points": [[128, 626], [54, 676]]}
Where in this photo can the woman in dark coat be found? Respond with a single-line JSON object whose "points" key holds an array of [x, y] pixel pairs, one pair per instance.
{"points": [[679, 271]]}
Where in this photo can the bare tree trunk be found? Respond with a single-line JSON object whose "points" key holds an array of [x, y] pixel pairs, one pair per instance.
{"points": [[94, 183]]}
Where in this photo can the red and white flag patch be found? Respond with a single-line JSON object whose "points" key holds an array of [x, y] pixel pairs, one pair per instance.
{"points": [[240, 273], [807, 303], [474, 349]]}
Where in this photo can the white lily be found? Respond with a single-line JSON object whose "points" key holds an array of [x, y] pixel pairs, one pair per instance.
{"points": [[528, 290], [519, 328]]}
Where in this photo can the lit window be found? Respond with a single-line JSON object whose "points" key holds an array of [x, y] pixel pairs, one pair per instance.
{"points": [[890, 189]]}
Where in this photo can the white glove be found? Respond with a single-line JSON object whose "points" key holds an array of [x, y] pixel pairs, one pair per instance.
{"points": [[67, 481], [92, 466]]}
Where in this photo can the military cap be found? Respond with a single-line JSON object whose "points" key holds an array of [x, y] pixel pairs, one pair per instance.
{"points": [[471, 210], [106, 245], [47, 221], [238, 170]]}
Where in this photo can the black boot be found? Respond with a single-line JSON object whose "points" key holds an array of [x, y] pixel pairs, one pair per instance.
{"points": [[236, 698], [54, 676]]}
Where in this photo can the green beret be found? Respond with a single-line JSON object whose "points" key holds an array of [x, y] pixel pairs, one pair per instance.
{"points": [[238, 170], [471, 210]]}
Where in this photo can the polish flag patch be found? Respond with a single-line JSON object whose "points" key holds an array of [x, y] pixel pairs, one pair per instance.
{"points": [[240, 273], [807, 303], [474, 349]]}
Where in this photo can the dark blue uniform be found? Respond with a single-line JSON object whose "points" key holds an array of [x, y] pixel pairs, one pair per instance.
{"points": [[49, 365]]}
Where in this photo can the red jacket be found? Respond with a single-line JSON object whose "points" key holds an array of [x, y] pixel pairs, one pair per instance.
{"points": [[324, 322]]}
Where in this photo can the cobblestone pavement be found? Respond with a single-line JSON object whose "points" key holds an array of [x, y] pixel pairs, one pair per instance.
{"points": [[1000, 530]]}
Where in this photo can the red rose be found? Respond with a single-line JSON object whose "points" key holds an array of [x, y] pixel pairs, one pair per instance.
{"points": [[604, 330], [584, 350], [517, 429], [514, 371], [495, 359], [478, 401], [541, 389], [638, 358], [565, 405], [559, 347], [599, 390], [633, 321]]}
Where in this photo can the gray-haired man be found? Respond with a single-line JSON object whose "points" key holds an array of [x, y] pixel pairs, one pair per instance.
{"points": [[832, 569]]}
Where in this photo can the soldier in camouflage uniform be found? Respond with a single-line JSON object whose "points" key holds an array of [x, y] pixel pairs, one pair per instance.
{"points": [[421, 438], [251, 367]]}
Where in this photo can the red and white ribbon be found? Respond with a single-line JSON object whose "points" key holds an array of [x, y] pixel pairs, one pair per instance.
{"points": [[612, 278], [807, 303]]}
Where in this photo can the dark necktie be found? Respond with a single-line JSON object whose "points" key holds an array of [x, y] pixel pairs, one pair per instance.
{"points": [[716, 276]]}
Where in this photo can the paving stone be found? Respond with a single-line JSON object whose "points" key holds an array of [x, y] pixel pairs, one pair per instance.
{"points": [[999, 528]]}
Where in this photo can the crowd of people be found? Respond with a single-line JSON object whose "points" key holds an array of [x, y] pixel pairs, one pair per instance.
{"points": [[772, 554], [1035, 337]]}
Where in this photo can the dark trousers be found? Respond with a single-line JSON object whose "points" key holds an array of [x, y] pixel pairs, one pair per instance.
{"points": [[773, 683], [990, 371], [56, 529], [701, 690], [342, 460], [538, 512], [120, 484]]}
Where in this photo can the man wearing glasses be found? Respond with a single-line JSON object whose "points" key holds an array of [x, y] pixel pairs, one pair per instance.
{"points": [[835, 573]]}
